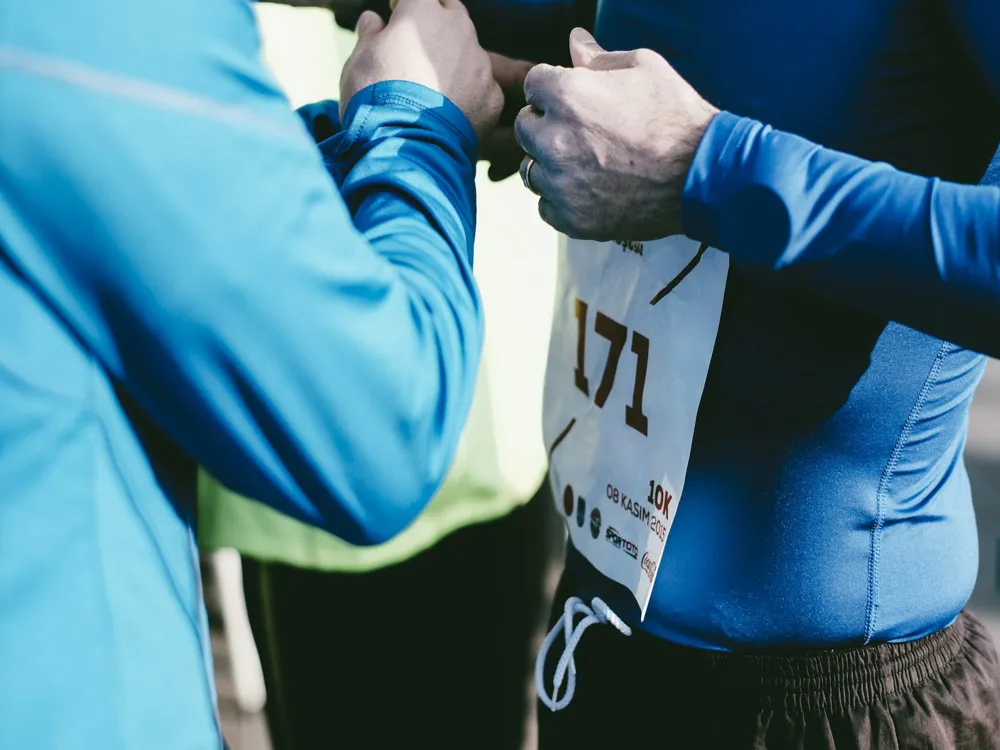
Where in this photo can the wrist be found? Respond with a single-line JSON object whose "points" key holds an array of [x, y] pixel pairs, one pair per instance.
{"points": [[712, 174], [398, 109], [670, 159], [409, 101], [694, 138]]}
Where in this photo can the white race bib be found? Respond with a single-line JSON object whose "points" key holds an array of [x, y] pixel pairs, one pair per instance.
{"points": [[632, 338]]}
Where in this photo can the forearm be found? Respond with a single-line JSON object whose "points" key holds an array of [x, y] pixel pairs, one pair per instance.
{"points": [[395, 392], [918, 251], [366, 168], [213, 270]]}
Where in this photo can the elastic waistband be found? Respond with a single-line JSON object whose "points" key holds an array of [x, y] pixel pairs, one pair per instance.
{"points": [[821, 680], [828, 678]]}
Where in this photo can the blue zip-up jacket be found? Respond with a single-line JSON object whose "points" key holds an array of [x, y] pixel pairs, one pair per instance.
{"points": [[826, 501], [182, 282]]}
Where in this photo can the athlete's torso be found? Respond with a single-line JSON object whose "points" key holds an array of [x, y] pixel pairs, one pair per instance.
{"points": [[826, 500]]}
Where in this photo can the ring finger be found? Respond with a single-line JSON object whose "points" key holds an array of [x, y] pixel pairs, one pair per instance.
{"points": [[527, 163], [534, 176], [529, 127]]}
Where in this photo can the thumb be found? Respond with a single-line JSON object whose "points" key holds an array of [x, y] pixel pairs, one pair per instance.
{"points": [[583, 48], [370, 23], [587, 53]]}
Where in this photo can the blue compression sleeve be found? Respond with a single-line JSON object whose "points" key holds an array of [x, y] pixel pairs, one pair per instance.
{"points": [[919, 251]]}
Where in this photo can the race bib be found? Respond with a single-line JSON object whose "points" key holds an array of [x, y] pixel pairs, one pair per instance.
{"points": [[633, 333]]}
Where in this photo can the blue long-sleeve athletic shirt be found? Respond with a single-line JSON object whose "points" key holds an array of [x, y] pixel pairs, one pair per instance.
{"points": [[181, 281], [826, 501]]}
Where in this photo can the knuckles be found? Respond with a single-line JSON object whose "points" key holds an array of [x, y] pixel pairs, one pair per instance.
{"points": [[534, 78], [560, 145], [646, 57]]}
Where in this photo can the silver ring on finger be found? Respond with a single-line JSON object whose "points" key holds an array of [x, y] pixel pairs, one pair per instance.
{"points": [[526, 174]]}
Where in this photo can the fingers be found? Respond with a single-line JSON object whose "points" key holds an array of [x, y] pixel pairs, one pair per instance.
{"points": [[535, 177], [508, 72], [369, 24], [557, 218], [527, 130], [525, 171], [551, 216], [583, 48], [509, 75], [538, 84], [587, 53]]}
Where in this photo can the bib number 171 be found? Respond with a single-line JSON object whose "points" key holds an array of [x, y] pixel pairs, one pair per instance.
{"points": [[616, 335]]}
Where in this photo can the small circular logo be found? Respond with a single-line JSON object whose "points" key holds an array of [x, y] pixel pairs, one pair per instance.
{"points": [[595, 523], [581, 511], [568, 500]]}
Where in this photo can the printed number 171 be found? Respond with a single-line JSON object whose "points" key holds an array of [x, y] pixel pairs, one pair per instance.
{"points": [[616, 334]]}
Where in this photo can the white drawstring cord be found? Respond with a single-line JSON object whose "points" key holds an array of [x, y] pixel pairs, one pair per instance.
{"points": [[598, 612]]}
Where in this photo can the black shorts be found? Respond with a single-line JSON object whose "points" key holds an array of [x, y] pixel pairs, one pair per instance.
{"points": [[941, 692]]}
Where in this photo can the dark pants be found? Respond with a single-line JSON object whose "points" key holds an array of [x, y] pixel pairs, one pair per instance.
{"points": [[435, 652], [939, 693]]}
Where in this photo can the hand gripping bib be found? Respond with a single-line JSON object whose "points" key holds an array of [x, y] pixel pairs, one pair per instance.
{"points": [[633, 333]]}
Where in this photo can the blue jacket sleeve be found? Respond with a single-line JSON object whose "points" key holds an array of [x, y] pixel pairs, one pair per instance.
{"points": [[315, 351], [922, 252], [919, 251]]}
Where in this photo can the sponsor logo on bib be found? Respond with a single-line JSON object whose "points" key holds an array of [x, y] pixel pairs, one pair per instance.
{"points": [[629, 548], [568, 500], [628, 246], [649, 566]]}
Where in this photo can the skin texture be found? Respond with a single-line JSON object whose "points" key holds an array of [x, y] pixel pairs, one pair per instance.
{"points": [[612, 140], [500, 147], [409, 48]]}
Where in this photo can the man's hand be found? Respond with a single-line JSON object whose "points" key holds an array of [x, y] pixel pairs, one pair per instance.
{"points": [[430, 42], [501, 148], [612, 139]]}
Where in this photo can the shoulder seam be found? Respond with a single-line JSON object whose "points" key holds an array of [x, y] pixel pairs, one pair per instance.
{"points": [[142, 92]]}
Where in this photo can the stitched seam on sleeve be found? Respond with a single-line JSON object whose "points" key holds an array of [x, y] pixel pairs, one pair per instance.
{"points": [[875, 545], [402, 99]]}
